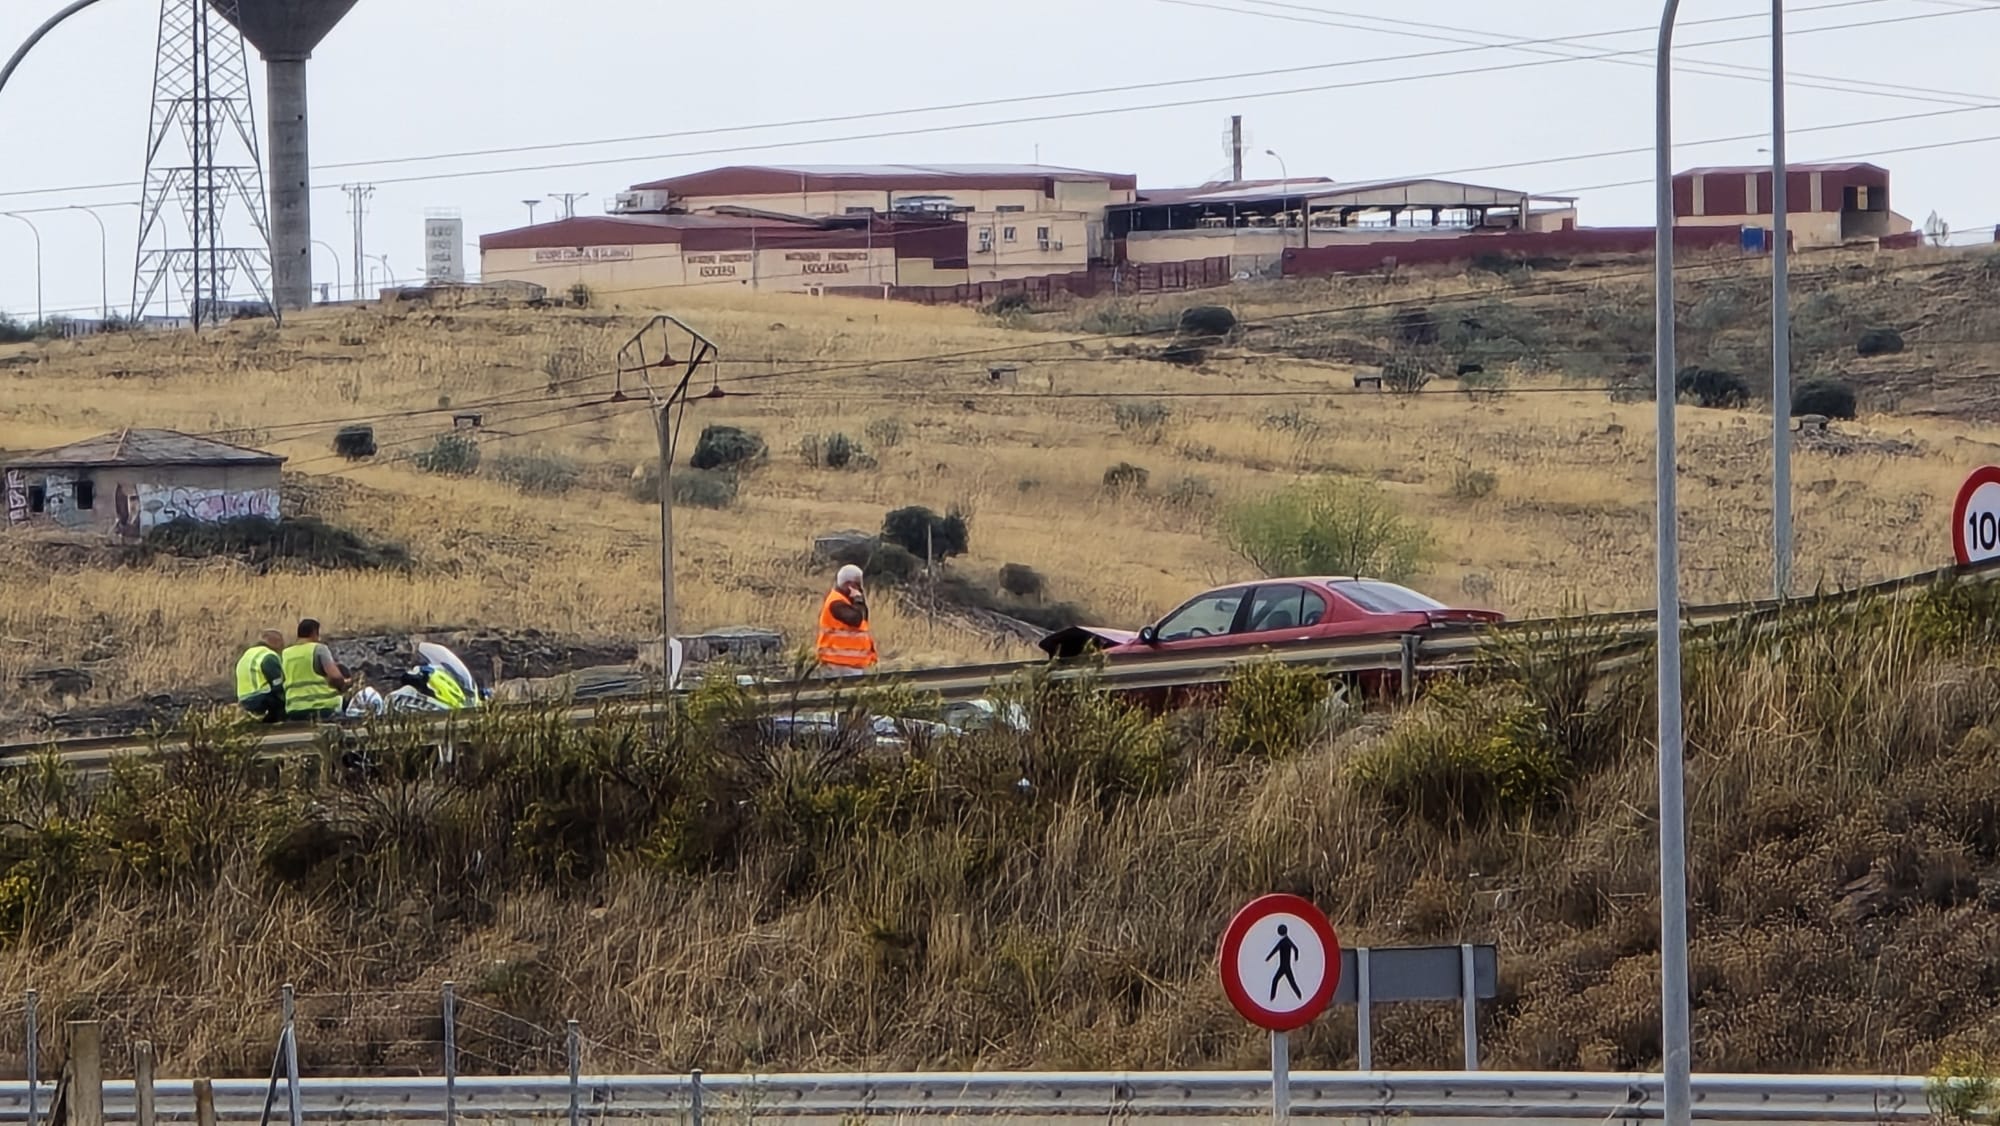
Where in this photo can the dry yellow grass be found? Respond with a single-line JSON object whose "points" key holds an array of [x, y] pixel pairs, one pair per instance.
{"points": [[1570, 520]]}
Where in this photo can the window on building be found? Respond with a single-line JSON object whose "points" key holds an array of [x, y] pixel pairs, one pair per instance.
{"points": [[1006, 234], [1042, 234], [86, 495], [985, 238], [38, 498]]}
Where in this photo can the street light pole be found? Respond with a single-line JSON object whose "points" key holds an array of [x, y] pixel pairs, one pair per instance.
{"points": [[1676, 1054], [337, 268], [38, 263], [1781, 322], [103, 263]]}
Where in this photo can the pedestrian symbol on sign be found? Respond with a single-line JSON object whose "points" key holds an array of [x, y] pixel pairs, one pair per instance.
{"points": [[1284, 952]]}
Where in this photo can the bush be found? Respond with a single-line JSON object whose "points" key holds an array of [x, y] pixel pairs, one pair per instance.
{"points": [[1126, 478], [537, 472], [832, 451], [1404, 375], [354, 442], [702, 488], [1415, 326], [1207, 320], [886, 433], [258, 539], [1010, 304], [1272, 710], [1190, 493], [1185, 355], [1483, 384], [1825, 397], [1468, 758], [727, 447], [1021, 580], [1468, 483], [1879, 342], [1329, 526], [15, 332], [925, 534], [1145, 417], [889, 564], [1708, 387], [454, 455]]}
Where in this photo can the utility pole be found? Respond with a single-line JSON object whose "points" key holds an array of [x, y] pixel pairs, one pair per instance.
{"points": [[663, 424], [358, 195], [568, 201], [1235, 148], [1781, 323]]}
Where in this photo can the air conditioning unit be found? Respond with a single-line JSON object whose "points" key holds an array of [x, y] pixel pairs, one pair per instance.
{"points": [[1047, 245], [650, 200]]}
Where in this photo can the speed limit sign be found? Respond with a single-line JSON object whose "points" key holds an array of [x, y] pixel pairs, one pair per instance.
{"points": [[1975, 518]]}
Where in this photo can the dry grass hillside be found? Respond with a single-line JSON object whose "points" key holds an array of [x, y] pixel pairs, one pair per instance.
{"points": [[1535, 485]]}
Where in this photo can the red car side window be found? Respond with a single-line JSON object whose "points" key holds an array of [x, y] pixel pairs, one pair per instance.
{"points": [[1284, 606]]}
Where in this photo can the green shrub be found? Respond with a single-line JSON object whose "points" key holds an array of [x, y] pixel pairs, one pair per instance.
{"points": [[1707, 387], [355, 443], [727, 447], [1484, 383], [537, 472], [1405, 375], [1021, 580], [840, 451], [1824, 397], [925, 534], [1011, 304], [258, 539], [1469, 483], [1962, 1089], [1272, 710], [1207, 320], [1415, 325], [1329, 526], [1468, 757], [453, 455], [1126, 478], [1190, 493], [1879, 342], [702, 488]]}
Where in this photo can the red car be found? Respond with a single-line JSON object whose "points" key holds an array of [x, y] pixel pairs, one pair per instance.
{"points": [[1273, 612]]}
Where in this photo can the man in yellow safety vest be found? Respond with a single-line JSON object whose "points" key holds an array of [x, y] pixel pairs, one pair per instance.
{"points": [[313, 680], [260, 678]]}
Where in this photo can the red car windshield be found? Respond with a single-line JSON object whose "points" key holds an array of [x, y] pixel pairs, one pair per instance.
{"points": [[1385, 598]]}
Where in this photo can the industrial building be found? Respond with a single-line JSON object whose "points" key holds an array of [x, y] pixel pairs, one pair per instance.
{"points": [[1826, 204], [1255, 222], [806, 227], [128, 481]]}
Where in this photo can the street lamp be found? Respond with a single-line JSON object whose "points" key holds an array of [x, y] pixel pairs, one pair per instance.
{"points": [[1284, 184], [103, 263], [38, 262], [532, 204], [1675, 1052], [336, 262], [388, 275], [1781, 322]]}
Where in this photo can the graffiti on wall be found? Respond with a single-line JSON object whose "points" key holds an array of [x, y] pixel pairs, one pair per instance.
{"points": [[17, 497], [165, 504]]}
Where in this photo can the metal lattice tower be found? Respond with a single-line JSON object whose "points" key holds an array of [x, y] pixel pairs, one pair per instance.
{"points": [[202, 222]]}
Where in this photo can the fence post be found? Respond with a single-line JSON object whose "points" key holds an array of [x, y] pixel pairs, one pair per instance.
{"points": [[573, 1038], [142, 1081], [290, 1036], [86, 1066], [1468, 990], [34, 1062], [204, 1102], [1364, 1030], [450, 1054], [694, 1097], [1409, 666]]}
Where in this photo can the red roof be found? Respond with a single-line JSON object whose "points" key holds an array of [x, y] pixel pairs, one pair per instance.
{"points": [[630, 230], [781, 179], [1750, 169]]}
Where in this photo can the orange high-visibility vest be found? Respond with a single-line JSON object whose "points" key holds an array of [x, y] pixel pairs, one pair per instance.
{"points": [[840, 644]]}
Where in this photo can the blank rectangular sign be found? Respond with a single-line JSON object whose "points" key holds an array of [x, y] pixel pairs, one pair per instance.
{"points": [[1418, 973]]}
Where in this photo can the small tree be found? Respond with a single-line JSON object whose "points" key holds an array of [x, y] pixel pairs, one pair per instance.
{"points": [[453, 455], [1329, 526], [1824, 397], [726, 447], [925, 534]]}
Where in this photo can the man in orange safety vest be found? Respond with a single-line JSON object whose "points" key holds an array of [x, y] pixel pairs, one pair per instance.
{"points": [[846, 647]]}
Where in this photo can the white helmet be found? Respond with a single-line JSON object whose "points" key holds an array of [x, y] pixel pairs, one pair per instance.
{"points": [[849, 575]]}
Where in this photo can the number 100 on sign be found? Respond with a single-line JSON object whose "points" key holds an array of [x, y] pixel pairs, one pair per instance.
{"points": [[1975, 518]]}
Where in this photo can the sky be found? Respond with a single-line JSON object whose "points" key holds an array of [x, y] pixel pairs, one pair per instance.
{"points": [[1349, 89]]}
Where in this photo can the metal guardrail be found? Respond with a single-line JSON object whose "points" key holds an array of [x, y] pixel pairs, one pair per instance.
{"points": [[1137, 672], [1186, 1095]]}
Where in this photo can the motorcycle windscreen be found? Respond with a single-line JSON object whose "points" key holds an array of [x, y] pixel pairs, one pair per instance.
{"points": [[446, 659]]}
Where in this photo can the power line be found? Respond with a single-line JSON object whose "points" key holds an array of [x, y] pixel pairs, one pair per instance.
{"points": [[1082, 113]]}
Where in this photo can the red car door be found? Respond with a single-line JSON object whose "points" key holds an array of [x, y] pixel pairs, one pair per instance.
{"points": [[1283, 612]]}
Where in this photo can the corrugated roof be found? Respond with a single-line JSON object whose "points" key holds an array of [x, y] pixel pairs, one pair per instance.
{"points": [[1321, 190], [641, 229], [146, 447], [766, 179]]}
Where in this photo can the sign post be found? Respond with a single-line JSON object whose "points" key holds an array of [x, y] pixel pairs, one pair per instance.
{"points": [[1975, 517], [1280, 962]]}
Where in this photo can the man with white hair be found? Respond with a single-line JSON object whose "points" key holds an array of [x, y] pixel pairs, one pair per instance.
{"points": [[846, 647]]}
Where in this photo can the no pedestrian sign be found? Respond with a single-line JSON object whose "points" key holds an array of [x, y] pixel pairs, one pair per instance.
{"points": [[1280, 962], [1975, 518]]}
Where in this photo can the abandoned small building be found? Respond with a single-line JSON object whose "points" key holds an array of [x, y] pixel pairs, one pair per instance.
{"points": [[129, 481]]}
